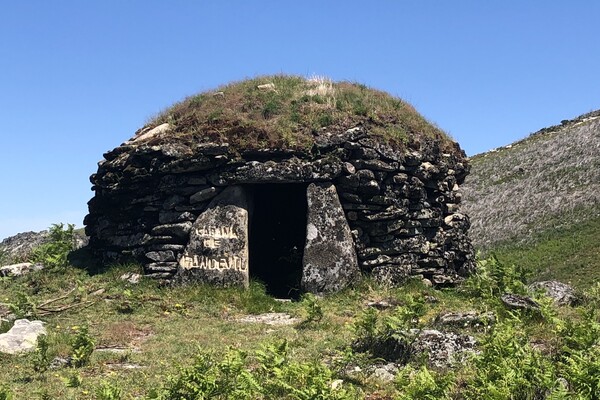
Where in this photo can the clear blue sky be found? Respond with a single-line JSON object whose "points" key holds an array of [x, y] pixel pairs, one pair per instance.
{"points": [[77, 78]]}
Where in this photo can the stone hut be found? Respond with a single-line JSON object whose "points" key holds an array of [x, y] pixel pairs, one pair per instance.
{"points": [[301, 183]]}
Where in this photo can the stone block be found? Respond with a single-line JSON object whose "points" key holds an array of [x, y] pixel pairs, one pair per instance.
{"points": [[329, 261], [217, 251]]}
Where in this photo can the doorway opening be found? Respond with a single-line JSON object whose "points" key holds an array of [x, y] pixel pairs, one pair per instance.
{"points": [[277, 235]]}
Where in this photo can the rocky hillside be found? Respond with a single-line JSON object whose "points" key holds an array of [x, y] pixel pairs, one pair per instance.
{"points": [[552, 177], [541, 194]]}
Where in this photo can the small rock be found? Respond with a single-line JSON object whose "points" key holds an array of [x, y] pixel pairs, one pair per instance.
{"points": [[203, 195], [430, 299], [426, 282], [349, 168], [117, 350], [386, 372], [98, 292], [125, 366], [150, 133], [380, 305], [267, 87], [517, 301], [22, 337], [161, 256], [271, 319], [60, 362], [131, 277], [465, 319], [561, 293], [336, 384]]}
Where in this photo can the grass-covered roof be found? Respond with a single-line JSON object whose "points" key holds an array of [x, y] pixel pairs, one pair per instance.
{"points": [[284, 111]]}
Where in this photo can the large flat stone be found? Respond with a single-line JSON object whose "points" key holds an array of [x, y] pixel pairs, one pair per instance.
{"points": [[329, 262], [217, 252]]}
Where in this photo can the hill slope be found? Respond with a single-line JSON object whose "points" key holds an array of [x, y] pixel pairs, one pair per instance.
{"points": [[537, 202]]}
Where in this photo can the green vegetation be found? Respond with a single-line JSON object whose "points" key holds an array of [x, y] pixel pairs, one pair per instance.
{"points": [[567, 253], [188, 342], [286, 111], [55, 252]]}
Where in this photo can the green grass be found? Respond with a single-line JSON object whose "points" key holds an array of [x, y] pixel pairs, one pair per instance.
{"points": [[566, 253], [290, 112], [189, 339]]}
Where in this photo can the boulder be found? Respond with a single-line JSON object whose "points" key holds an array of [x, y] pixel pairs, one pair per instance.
{"points": [[519, 302], [561, 293], [442, 349], [19, 269], [22, 337], [329, 261]]}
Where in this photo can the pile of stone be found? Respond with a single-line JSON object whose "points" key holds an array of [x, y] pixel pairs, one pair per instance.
{"points": [[394, 213]]}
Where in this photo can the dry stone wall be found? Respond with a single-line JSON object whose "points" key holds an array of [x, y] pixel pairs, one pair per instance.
{"points": [[401, 206]]}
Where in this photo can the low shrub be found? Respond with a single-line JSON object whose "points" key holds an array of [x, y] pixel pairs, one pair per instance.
{"points": [[82, 346], [269, 374], [390, 337], [109, 391], [423, 384], [508, 367], [54, 254], [492, 278]]}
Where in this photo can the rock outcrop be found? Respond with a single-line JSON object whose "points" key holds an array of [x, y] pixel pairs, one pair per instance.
{"points": [[391, 210], [19, 248], [561, 293], [22, 337]]}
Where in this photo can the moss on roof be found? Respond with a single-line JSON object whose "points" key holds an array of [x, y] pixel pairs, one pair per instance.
{"points": [[283, 111]]}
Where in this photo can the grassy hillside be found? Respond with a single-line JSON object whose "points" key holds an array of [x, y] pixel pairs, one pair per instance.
{"points": [[536, 201], [568, 253]]}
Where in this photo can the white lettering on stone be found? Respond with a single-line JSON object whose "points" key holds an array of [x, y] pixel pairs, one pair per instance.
{"points": [[221, 232], [208, 262]]}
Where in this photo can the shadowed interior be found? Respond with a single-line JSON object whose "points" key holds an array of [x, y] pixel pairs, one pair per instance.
{"points": [[277, 236]]}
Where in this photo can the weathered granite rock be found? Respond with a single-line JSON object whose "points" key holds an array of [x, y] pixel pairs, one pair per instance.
{"points": [[131, 277], [19, 269], [443, 349], [465, 319], [385, 372], [22, 337], [519, 302], [561, 293], [218, 247], [329, 261]]}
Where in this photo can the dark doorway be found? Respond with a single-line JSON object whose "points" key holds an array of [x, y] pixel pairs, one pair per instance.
{"points": [[277, 237]]}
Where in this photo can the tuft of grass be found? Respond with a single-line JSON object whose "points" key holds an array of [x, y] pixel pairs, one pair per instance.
{"points": [[286, 111]]}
